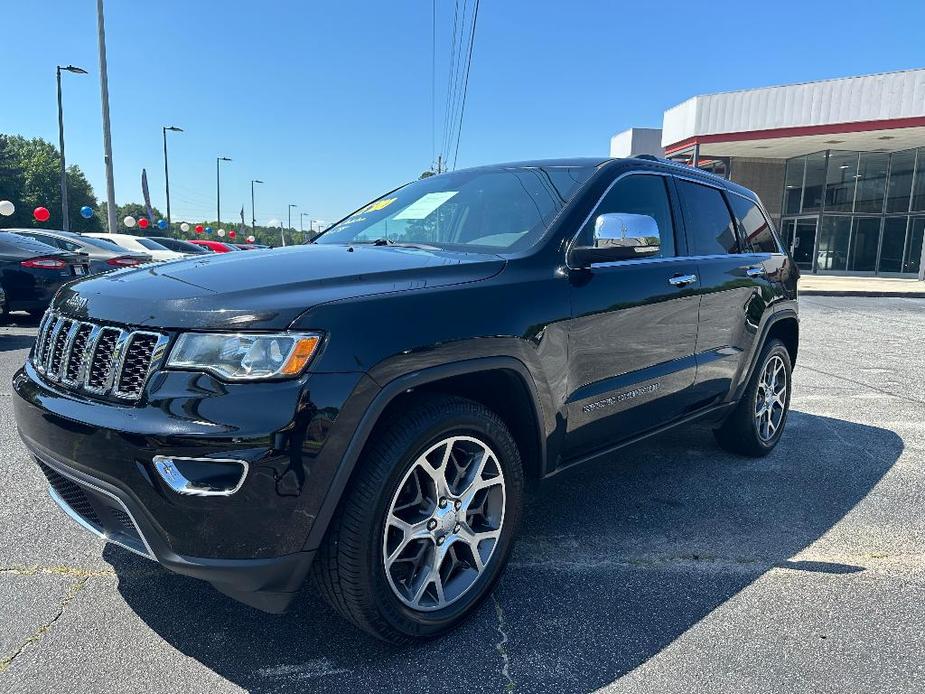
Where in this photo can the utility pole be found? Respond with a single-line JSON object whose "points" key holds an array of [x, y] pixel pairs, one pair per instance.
{"points": [[107, 135]]}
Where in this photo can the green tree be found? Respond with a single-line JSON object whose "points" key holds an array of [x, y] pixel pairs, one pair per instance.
{"points": [[30, 177]]}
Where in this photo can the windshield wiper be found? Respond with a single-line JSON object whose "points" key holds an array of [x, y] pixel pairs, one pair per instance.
{"points": [[396, 244]]}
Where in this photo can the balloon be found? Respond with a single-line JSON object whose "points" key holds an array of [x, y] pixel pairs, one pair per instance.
{"points": [[208, 230], [251, 239], [221, 232], [184, 227], [7, 208], [41, 214], [162, 224], [86, 212], [231, 234], [129, 221], [199, 228], [143, 223]]}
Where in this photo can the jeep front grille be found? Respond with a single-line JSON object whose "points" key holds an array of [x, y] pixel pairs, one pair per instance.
{"points": [[101, 360]]}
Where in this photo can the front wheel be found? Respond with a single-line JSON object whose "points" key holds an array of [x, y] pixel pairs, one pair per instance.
{"points": [[756, 424], [427, 524]]}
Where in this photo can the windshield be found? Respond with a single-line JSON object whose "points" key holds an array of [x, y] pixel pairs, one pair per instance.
{"points": [[150, 245], [500, 209], [102, 244]]}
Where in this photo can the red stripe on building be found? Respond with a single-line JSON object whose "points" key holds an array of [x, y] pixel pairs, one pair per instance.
{"points": [[799, 131]]}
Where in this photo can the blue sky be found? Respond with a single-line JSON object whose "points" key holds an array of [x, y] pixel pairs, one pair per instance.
{"points": [[330, 103]]}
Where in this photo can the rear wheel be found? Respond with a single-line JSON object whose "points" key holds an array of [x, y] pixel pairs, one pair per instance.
{"points": [[757, 422], [427, 525]]}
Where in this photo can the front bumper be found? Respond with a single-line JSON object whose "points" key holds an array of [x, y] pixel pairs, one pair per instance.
{"points": [[252, 545]]}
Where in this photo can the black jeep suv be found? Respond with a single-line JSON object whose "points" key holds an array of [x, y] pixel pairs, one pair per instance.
{"points": [[366, 409]]}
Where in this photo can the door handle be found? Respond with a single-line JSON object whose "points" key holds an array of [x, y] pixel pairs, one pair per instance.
{"points": [[682, 280], [756, 271]]}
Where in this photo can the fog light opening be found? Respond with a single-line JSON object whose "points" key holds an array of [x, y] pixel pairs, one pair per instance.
{"points": [[201, 476]]}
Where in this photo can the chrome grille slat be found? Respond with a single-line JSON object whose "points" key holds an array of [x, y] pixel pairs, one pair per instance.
{"points": [[102, 360]]}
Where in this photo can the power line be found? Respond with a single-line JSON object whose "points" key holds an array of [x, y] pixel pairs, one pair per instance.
{"points": [[450, 81], [433, 83], [462, 110]]}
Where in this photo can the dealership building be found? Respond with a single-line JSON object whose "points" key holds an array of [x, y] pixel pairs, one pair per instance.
{"points": [[839, 164]]}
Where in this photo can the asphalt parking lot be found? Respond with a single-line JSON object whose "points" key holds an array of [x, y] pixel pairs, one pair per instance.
{"points": [[673, 567]]}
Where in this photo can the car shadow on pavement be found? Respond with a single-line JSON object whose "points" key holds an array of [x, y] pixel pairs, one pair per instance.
{"points": [[615, 561]]}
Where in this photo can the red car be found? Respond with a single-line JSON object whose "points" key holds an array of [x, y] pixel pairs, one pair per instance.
{"points": [[215, 246]]}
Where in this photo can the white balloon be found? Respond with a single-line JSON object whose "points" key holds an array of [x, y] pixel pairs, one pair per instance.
{"points": [[221, 232], [6, 208], [184, 227], [129, 221], [251, 239]]}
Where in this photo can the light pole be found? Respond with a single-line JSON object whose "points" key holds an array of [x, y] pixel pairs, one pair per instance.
{"points": [[289, 225], [302, 216], [253, 215], [218, 189], [164, 129], [65, 222]]}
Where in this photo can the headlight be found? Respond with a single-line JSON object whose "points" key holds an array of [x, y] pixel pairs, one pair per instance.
{"points": [[245, 357]]}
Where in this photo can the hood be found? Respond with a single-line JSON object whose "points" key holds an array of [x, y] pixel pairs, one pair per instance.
{"points": [[264, 289]]}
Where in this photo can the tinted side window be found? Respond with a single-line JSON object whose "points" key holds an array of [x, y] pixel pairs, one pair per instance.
{"points": [[756, 232], [638, 194], [709, 226]]}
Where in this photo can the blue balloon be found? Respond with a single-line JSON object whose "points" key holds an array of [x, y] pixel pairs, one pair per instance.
{"points": [[208, 230], [162, 224], [86, 212]]}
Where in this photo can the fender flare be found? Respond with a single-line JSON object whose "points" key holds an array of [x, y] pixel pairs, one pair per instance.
{"points": [[381, 401], [783, 314]]}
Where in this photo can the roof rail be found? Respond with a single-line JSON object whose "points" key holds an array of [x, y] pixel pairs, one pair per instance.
{"points": [[652, 157]]}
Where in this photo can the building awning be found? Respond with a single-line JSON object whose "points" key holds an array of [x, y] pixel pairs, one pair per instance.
{"points": [[884, 112]]}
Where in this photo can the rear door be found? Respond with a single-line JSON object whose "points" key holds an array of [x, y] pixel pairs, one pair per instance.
{"points": [[731, 288], [633, 328]]}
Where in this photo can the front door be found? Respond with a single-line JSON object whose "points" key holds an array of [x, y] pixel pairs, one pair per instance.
{"points": [[633, 328], [800, 237]]}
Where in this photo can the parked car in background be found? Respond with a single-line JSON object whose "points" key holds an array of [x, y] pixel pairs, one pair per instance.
{"points": [[103, 255], [140, 244], [31, 272], [179, 245], [216, 246], [250, 246]]}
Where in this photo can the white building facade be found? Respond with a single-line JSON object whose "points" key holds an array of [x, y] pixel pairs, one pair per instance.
{"points": [[840, 164]]}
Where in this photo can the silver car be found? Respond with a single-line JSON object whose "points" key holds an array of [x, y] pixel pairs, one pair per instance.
{"points": [[103, 255]]}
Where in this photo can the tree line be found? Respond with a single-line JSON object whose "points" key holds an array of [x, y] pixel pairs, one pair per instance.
{"points": [[30, 177]]}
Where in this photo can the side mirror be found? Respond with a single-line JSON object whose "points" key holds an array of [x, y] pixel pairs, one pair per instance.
{"points": [[620, 236]]}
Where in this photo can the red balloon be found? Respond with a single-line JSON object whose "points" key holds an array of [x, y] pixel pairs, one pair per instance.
{"points": [[199, 229], [143, 223], [41, 214], [231, 234]]}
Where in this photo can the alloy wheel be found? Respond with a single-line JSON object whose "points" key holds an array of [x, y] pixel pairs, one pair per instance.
{"points": [[444, 523], [771, 398]]}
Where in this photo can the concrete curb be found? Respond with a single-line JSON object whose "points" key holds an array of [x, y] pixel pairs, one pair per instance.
{"points": [[861, 292]]}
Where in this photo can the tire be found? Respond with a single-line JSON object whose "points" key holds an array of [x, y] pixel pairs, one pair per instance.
{"points": [[744, 431], [352, 570]]}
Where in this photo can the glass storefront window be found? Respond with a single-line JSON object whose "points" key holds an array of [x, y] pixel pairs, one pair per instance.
{"points": [[918, 185], [913, 259], [841, 175], [793, 185], [894, 241], [872, 168], [865, 238], [814, 185], [834, 236], [901, 169]]}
